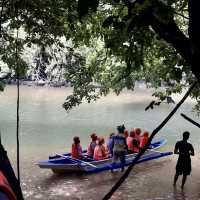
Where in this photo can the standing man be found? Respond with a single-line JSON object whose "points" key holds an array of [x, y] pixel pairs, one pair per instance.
{"points": [[119, 146], [183, 166]]}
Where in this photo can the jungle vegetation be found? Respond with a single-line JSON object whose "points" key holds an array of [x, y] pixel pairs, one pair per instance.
{"points": [[114, 43]]}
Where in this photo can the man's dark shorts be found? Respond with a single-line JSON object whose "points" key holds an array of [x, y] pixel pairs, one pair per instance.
{"points": [[183, 167]]}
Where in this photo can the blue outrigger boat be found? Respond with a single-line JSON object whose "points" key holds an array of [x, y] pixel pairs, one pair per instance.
{"points": [[63, 163]]}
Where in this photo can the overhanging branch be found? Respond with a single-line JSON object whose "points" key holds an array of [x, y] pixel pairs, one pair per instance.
{"points": [[171, 33]]}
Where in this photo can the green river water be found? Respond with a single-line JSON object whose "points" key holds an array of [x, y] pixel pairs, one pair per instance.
{"points": [[46, 128]]}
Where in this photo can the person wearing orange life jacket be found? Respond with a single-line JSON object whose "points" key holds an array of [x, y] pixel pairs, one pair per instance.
{"points": [[100, 151], [76, 150], [144, 139], [92, 145], [6, 193]]}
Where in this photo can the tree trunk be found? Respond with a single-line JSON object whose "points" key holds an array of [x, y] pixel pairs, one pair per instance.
{"points": [[194, 34]]}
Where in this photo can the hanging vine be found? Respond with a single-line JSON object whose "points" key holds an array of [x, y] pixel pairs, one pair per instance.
{"points": [[17, 129], [5, 166]]}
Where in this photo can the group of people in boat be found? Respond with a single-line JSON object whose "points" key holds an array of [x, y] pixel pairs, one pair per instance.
{"points": [[123, 142], [117, 145]]}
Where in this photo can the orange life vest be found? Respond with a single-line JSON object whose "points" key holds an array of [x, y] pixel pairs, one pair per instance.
{"points": [[76, 151], [131, 147], [100, 152], [5, 187]]}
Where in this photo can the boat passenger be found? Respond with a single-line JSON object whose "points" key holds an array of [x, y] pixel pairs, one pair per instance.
{"points": [[76, 151], [144, 139], [126, 134], [132, 143], [100, 151], [129, 141], [119, 146], [109, 144], [136, 146], [92, 145], [137, 134]]}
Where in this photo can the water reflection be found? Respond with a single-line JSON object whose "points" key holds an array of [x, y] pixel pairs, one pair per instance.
{"points": [[179, 194]]}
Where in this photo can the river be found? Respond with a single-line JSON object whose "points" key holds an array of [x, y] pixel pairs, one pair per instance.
{"points": [[46, 128]]}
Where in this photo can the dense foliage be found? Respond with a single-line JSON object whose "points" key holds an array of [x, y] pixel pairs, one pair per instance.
{"points": [[123, 40]]}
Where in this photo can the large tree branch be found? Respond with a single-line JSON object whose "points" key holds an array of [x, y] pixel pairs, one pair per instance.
{"points": [[194, 34], [171, 33], [188, 48]]}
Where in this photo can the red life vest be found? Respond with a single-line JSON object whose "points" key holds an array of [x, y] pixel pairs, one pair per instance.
{"points": [[129, 142], [5, 187], [143, 141], [76, 151], [138, 137], [126, 133]]}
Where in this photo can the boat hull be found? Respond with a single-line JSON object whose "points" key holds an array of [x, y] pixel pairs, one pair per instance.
{"points": [[67, 165]]}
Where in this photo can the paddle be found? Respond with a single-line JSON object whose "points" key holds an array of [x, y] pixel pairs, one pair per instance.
{"points": [[74, 159]]}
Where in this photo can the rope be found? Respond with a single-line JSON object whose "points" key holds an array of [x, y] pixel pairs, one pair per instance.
{"points": [[155, 131], [17, 132], [18, 92]]}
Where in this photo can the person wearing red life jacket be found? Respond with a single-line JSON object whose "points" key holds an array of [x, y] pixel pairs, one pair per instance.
{"points": [[92, 145], [129, 141], [76, 150], [6, 192], [126, 134], [100, 151], [136, 146], [137, 134], [144, 139], [132, 143]]}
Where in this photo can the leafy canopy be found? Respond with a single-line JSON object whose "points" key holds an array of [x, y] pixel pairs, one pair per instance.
{"points": [[124, 40]]}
